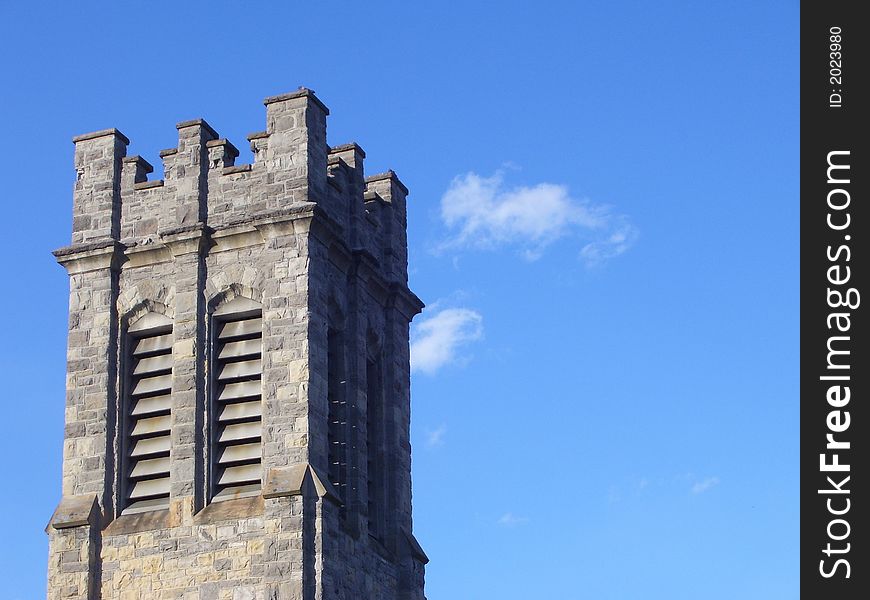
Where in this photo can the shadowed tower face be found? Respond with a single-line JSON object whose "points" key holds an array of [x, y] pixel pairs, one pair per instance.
{"points": [[238, 381]]}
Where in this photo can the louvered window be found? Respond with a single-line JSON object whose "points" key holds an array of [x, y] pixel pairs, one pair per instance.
{"points": [[375, 444], [147, 417], [236, 409], [337, 417]]}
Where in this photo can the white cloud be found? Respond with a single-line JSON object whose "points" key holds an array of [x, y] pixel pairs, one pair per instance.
{"points": [[702, 486], [621, 237], [436, 340], [511, 520], [482, 212], [435, 437]]}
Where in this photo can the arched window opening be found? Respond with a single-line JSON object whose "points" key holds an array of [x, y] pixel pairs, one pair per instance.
{"points": [[375, 447], [236, 400], [147, 414], [337, 415]]}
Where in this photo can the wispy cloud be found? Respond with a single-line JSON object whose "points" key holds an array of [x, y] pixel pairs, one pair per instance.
{"points": [[509, 519], [483, 212], [437, 338], [621, 236], [435, 437], [702, 486]]}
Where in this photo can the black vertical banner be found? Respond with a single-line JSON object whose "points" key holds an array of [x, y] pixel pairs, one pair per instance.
{"points": [[835, 371]]}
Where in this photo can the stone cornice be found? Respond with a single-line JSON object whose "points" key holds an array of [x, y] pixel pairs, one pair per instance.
{"points": [[140, 255], [189, 239], [405, 301], [90, 256], [293, 219], [367, 266], [185, 240], [414, 547]]}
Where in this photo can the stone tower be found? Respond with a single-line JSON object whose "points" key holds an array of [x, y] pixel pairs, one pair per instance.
{"points": [[237, 395]]}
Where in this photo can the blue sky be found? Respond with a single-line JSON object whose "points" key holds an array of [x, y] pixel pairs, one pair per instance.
{"points": [[603, 222]]}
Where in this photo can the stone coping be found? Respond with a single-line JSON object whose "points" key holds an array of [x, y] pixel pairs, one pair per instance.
{"points": [[236, 169], [345, 147], [197, 122], [140, 161], [388, 175], [302, 92], [147, 185], [229, 147], [101, 133]]}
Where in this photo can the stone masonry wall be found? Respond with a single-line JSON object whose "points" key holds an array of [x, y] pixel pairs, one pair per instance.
{"points": [[299, 230]]}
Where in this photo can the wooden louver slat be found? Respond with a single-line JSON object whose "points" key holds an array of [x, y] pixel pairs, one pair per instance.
{"points": [[236, 413], [240, 474], [239, 432], [148, 417], [150, 488], [250, 347], [151, 426], [236, 370], [242, 328], [240, 410], [150, 446], [241, 452], [149, 385], [157, 343], [152, 405], [147, 468], [239, 390], [153, 364]]}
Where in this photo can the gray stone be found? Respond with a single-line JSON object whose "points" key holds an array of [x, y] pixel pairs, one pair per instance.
{"points": [[303, 233]]}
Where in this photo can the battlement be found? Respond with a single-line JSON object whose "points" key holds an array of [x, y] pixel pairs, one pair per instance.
{"points": [[292, 165]]}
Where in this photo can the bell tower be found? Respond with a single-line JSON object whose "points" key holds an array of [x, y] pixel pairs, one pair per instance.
{"points": [[238, 381]]}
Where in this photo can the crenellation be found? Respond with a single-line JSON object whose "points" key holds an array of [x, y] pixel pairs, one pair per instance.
{"points": [[221, 153], [258, 142], [135, 170], [202, 183], [96, 197], [352, 154], [394, 221], [189, 172], [348, 159], [296, 151]]}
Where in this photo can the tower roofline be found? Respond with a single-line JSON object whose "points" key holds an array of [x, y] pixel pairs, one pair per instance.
{"points": [[101, 133], [302, 92]]}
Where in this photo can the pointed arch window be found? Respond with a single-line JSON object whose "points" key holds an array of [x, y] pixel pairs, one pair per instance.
{"points": [[375, 444], [147, 417], [236, 400], [337, 416]]}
